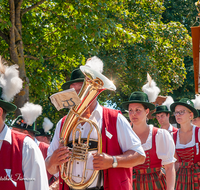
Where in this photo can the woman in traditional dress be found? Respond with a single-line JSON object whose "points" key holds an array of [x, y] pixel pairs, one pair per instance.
{"points": [[157, 143], [187, 146]]}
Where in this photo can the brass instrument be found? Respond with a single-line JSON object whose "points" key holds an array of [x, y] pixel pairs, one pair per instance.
{"points": [[93, 85]]}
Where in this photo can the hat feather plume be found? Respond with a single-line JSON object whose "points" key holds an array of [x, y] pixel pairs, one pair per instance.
{"points": [[169, 100], [151, 89], [30, 112], [95, 63], [196, 101], [9, 81], [47, 124]]}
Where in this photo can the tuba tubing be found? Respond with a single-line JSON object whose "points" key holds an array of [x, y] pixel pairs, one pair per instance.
{"points": [[93, 85]]}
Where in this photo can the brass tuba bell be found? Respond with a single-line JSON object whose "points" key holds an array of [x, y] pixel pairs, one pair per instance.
{"points": [[93, 85]]}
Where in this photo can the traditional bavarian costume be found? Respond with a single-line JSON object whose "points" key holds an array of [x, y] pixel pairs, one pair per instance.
{"points": [[117, 136], [159, 149], [188, 174]]}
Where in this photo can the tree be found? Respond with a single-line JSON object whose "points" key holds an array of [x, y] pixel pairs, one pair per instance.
{"points": [[48, 39], [184, 12]]}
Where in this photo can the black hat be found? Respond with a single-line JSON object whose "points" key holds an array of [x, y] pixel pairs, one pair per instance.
{"points": [[21, 124], [161, 109], [138, 97], [187, 103], [47, 125], [76, 76]]}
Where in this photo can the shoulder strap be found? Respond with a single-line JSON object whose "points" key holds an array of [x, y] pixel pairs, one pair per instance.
{"points": [[62, 122], [196, 134]]}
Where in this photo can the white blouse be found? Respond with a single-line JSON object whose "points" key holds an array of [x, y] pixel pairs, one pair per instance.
{"points": [[165, 147], [191, 143]]}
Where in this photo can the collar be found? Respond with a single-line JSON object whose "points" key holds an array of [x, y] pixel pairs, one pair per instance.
{"points": [[37, 142], [170, 129], [6, 134], [98, 111]]}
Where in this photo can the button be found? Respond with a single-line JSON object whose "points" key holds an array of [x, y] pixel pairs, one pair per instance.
{"points": [[77, 162], [78, 175], [60, 182], [81, 128]]}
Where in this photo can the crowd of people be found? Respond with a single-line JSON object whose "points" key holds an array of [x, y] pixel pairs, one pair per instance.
{"points": [[135, 155]]}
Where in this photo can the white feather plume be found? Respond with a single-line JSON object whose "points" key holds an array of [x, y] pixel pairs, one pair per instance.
{"points": [[9, 81], [95, 63], [169, 100], [30, 112], [151, 89], [196, 102], [47, 124]]}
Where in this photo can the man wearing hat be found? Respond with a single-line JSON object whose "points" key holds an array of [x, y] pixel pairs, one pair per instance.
{"points": [[22, 165], [45, 133], [162, 114], [120, 146]]}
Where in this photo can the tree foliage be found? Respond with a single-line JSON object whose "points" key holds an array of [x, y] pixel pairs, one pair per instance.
{"points": [[48, 39]]}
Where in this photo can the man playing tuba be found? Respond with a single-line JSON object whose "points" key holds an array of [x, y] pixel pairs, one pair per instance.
{"points": [[121, 148]]}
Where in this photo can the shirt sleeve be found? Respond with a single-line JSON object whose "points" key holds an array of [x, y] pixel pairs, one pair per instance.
{"points": [[165, 147], [33, 166], [127, 138], [55, 141]]}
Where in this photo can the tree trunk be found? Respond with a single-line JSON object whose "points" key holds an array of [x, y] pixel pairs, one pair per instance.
{"points": [[17, 52]]}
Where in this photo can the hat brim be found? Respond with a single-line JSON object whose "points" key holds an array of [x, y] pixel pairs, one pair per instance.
{"points": [[148, 104], [34, 131], [9, 107], [66, 85], [195, 112], [154, 114]]}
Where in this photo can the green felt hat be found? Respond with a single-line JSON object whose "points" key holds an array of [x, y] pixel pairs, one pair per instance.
{"points": [[138, 97], [9, 107], [76, 76], [161, 109], [187, 103], [20, 123], [198, 113], [43, 133]]}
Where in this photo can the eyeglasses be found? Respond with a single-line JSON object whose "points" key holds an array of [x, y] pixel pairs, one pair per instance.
{"points": [[182, 112]]}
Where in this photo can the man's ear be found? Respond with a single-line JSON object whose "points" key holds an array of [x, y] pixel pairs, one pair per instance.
{"points": [[1, 112]]}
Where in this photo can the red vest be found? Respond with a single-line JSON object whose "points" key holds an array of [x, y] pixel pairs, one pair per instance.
{"points": [[174, 129], [152, 160], [114, 178], [190, 154], [11, 158], [44, 147]]}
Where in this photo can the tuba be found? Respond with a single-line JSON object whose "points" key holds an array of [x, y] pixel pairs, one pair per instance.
{"points": [[93, 85]]}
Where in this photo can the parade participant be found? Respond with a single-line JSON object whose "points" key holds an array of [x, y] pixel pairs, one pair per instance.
{"points": [[196, 121], [45, 133], [163, 113], [187, 145], [26, 123], [22, 166], [196, 101], [121, 148], [157, 143]]}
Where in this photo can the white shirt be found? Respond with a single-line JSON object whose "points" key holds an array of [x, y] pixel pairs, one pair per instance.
{"points": [[165, 147], [191, 143], [127, 139], [170, 129], [33, 165]]}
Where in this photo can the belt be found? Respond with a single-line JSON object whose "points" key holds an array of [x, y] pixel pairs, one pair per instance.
{"points": [[95, 188]]}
